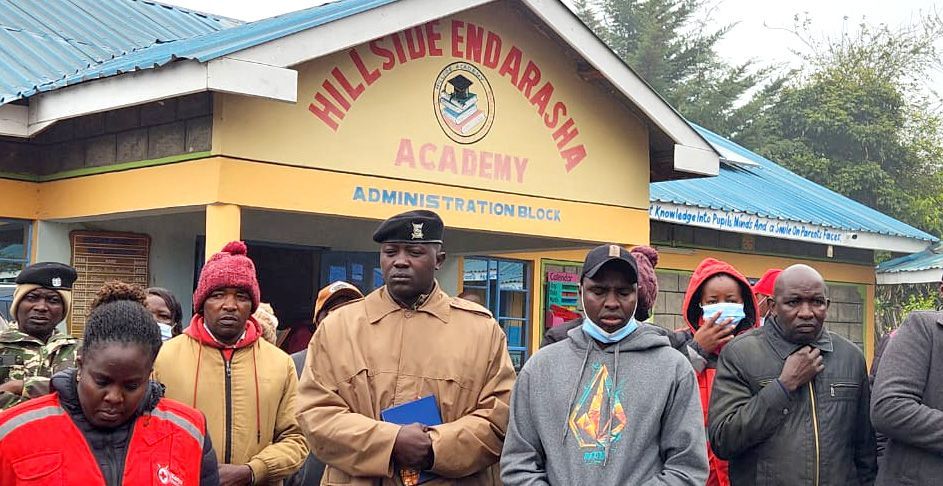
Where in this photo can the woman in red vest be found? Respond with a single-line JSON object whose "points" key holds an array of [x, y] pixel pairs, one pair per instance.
{"points": [[105, 422]]}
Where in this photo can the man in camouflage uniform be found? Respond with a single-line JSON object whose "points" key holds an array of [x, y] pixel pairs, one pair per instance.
{"points": [[32, 349]]}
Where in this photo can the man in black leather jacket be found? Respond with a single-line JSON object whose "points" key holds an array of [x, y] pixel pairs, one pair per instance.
{"points": [[790, 403]]}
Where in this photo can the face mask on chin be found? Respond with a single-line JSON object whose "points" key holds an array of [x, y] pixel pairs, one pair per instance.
{"points": [[596, 332]]}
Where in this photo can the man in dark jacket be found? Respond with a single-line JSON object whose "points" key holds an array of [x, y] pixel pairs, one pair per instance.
{"points": [[908, 402], [790, 399]]}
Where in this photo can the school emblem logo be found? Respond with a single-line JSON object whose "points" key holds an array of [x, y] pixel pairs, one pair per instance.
{"points": [[56, 282], [417, 231], [463, 102]]}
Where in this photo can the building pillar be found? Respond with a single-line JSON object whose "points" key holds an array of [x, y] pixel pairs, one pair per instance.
{"points": [[223, 224]]}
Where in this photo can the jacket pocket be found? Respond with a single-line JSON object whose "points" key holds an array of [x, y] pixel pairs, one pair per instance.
{"points": [[844, 390], [40, 469], [453, 397], [336, 477]]}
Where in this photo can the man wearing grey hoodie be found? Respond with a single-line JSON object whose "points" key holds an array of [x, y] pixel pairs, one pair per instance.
{"points": [[614, 404]]}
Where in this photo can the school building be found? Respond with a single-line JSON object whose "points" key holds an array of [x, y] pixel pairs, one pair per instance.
{"points": [[136, 139]]}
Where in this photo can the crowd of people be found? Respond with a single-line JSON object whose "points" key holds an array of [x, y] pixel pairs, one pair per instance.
{"points": [[407, 385]]}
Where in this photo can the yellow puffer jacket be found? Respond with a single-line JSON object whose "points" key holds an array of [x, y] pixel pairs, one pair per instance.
{"points": [[251, 412]]}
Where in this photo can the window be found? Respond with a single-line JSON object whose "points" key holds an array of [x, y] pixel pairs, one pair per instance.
{"points": [[503, 287], [14, 248]]}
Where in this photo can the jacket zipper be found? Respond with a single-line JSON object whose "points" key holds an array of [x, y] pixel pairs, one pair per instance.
{"points": [[228, 456], [112, 477], [815, 431]]}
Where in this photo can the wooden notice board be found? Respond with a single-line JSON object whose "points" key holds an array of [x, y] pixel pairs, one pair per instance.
{"points": [[101, 257]]}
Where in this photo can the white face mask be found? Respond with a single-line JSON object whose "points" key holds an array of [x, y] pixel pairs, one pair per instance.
{"points": [[596, 331], [166, 331]]}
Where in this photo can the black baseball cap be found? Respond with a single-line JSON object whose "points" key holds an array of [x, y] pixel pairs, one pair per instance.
{"points": [[601, 255]]}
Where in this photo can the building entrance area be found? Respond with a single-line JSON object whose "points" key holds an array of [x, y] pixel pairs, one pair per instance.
{"points": [[290, 275]]}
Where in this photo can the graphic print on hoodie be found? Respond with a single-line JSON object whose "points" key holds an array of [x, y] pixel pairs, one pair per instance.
{"points": [[560, 416], [591, 421]]}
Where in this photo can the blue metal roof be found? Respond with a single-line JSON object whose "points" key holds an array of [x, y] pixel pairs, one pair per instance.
{"points": [[929, 259], [213, 44], [770, 191], [41, 43]]}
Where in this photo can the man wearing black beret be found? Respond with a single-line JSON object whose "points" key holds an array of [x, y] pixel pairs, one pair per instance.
{"points": [[406, 340], [32, 349]]}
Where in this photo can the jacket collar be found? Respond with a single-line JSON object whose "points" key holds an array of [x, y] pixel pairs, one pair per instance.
{"points": [[64, 384], [379, 304], [200, 332], [784, 348]]}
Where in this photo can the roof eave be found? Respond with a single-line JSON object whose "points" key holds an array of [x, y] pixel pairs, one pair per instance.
{"points": [[928, 275], [176, 79], [850, 238]]}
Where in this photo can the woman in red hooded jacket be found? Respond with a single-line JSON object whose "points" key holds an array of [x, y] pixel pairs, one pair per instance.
{"points": [[718, 305]]}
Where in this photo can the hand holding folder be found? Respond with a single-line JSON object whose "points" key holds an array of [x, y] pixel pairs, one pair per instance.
{"points": [[424, 411]]}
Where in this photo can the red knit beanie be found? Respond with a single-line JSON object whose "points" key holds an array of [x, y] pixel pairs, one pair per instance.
{"points": [[228, 268], [647, 258]]}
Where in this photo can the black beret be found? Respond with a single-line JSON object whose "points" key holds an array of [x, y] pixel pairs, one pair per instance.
{"points": [[419, 226], [51, 275]]}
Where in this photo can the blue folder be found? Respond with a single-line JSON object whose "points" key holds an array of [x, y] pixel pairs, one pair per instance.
{"points": [[424, 411]]}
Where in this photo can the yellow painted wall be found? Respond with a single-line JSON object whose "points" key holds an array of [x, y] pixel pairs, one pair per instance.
{"points": [[256, 185], [20, 199], [388, 106], [223, 224], [187, 184]]}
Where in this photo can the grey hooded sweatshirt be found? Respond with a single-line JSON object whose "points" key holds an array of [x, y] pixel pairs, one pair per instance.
{"points": [[572, 395]]}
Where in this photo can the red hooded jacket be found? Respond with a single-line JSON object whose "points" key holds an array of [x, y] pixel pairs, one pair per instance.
{"points": [[694, 318]]}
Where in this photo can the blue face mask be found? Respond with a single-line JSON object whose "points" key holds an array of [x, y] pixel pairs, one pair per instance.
{"points": [[727, 310], [166, 331], [597, 333]]}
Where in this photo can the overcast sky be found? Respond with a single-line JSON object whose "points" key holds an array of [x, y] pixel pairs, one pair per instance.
{"points": [[758, 33]]}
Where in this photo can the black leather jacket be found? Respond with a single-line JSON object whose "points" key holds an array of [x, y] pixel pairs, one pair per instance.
{"points": [[819, 435]]}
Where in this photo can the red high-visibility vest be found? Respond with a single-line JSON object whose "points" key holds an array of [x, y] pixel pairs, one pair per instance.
{"points": [[41, 445]]}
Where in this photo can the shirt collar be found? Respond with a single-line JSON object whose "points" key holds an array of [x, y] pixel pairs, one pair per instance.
{"points": [[380, 303]]}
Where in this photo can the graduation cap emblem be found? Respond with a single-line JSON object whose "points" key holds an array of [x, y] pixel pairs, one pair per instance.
{"points": [[417, 231], [56, 282], [460, 84], [464, 102]]}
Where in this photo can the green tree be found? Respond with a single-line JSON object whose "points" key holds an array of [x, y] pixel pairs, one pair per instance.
{"points": [[859, 119], [670, 44]]}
